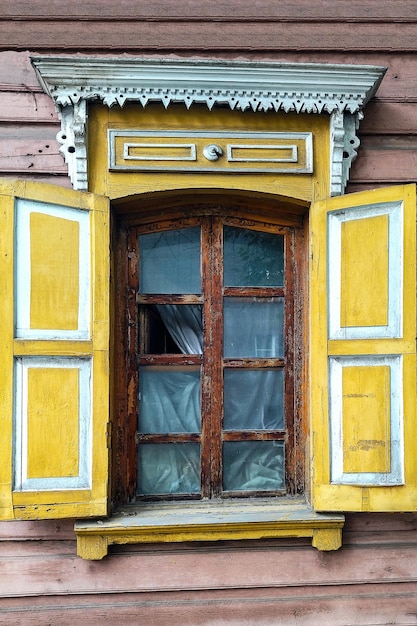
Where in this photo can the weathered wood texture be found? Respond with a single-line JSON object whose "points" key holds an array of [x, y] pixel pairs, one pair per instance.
{"points": [[228, 25], [373, 578]]}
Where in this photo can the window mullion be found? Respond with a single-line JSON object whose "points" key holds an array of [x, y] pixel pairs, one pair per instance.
{"points": [[213, 375], [206, 374]]}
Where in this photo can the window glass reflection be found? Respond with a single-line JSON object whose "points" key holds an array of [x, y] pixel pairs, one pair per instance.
{"points": [[253, 258], [253, 399], [170, 262], [254, 327]]}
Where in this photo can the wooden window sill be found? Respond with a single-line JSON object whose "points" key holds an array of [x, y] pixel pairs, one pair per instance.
{"points": [[208, 521]]}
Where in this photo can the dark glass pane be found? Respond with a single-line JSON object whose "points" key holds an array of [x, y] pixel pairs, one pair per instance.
{"points": [[168, 468], [169, 400], [253, 399], [253, 466], [254, 327], [253, 258], [170, 262]]}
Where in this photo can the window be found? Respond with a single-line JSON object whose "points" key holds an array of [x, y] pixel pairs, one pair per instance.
{"points": [[353, 370], [212, 315]]}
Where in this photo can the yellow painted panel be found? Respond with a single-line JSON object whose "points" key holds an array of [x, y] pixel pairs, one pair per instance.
{"points": [[364, 272], [54, 258], [366, 419], [53, 422]]}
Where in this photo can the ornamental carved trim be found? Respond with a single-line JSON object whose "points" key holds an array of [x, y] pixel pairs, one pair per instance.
{"points": [[341, 91]]}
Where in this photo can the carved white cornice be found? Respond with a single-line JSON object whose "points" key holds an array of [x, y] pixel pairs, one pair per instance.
{"points": [[339, 90]]}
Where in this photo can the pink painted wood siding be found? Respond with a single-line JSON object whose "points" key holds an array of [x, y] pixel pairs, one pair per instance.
{"points": [[373, 578]]}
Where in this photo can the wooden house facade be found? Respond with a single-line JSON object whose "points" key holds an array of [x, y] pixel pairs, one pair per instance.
{"points": [[293, 122]]}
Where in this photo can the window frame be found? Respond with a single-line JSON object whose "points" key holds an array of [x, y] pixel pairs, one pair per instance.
{"points": [[126, 360]]}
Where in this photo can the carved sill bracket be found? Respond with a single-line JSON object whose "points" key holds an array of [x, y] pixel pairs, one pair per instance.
{"points": [[340, 91], [160, 523]]}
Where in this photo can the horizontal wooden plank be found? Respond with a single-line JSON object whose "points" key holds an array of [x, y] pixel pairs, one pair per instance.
{"points": [[34, 531], [25, 107], [388, 166], [375, 10], [17, 73], [389, 118], [327, 606], [35, 569], [20, 155], [61, 180], [77, 35]]}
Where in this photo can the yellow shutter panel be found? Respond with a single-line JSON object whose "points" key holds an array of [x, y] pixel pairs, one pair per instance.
{"points": [[363, 351], [54, 344]]}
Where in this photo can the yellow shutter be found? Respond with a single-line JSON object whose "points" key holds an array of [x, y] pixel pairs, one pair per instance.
{"points": [[363, 349], [54, 338]]}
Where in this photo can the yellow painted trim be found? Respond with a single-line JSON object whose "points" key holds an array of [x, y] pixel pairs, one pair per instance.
{"points": [[94, 547], [6, 361], [67, 510], [208, 522], [33, 347], [371, 346], [51, 497]]}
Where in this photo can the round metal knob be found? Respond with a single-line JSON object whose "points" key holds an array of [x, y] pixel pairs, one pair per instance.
{"points": [[212, 152]]}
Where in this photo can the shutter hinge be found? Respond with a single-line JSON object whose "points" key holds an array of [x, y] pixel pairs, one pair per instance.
{"points": [[108, 435]]}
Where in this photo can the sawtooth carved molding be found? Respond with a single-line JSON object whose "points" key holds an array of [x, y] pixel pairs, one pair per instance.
{"points": [[340, 91]]}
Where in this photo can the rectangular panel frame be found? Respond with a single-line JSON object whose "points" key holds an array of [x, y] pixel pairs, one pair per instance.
{"points": [[394, 328], [301, 161], [20, 451], [396, 475], [23, 209]]}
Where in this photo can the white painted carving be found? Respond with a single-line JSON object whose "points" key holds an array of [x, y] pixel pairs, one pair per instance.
{"points": [[73, 142], [344, 146], [288, 87]]}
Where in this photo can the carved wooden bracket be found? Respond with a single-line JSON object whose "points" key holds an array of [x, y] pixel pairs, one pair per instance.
{"points": [[341, 91]]}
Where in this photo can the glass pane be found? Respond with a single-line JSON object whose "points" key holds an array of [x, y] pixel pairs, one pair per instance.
{"points": [[169, 400], [168, 468], [253, 399], [252, 258], [170, 261], [253, 466], [254, 327]]}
